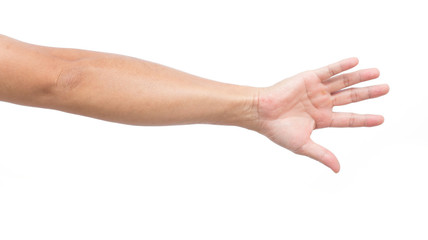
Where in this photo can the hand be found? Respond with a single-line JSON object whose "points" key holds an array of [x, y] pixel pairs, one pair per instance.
{"points": [[290, 110]]}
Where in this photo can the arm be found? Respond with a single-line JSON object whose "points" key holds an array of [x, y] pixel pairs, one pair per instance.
{"points": [[118, 88], [132, 91]]}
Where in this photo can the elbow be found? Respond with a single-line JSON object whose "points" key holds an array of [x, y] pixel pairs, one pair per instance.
{"points": [[69, 77], [66, 82]]}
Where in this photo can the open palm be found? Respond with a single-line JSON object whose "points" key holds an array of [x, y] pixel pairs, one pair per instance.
{"points": [[290, 110]]}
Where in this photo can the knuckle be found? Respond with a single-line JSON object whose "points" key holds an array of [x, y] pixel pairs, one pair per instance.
{"points": [[369, 93], [346, 81], [331, 71], [334, 101], [351, 120], [354, 95]]}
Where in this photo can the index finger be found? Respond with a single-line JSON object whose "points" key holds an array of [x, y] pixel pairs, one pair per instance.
{"points": [[330, 70]]}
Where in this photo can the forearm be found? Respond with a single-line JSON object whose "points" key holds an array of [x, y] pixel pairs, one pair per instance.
{"points": [[132, 91]]}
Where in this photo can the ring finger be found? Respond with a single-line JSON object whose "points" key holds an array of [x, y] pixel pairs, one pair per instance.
{"points": [[352, 95]]}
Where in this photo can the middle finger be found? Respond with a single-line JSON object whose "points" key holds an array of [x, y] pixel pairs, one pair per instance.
{"points": [[345, 80]]}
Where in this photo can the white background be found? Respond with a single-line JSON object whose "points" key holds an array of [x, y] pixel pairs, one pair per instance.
{"points": [[64, 176]]}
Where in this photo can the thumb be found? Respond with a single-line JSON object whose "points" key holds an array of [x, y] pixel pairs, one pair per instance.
{"points": [[321, 154]]}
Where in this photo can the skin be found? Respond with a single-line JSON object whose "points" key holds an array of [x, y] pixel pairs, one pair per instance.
{"points": [[133, 91]]}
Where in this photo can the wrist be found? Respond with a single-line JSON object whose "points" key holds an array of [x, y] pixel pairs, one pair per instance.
{"points": [[247, 114]]}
